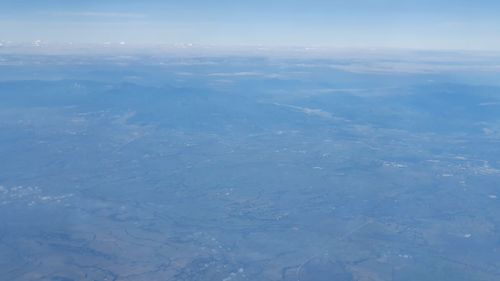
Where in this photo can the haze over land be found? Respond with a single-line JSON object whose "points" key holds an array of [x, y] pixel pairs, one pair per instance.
{"points": [[250, 140], [238, 168]]}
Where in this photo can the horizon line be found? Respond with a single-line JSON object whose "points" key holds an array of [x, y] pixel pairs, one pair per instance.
{"points": [[41, 47]]}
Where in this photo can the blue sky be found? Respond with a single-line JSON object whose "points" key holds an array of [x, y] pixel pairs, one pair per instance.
{"points": [[423, 24]]}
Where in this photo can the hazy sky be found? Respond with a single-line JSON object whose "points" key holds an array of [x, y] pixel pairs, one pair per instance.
{"points": [[422, 24]]}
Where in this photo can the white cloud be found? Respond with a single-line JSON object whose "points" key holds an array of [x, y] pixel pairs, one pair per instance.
{"points": [[235, 74], [103, 14], [309, 111], [248, 74]]}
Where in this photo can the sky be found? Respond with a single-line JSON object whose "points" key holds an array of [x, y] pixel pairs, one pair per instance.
{"points": [[422, 24]]}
